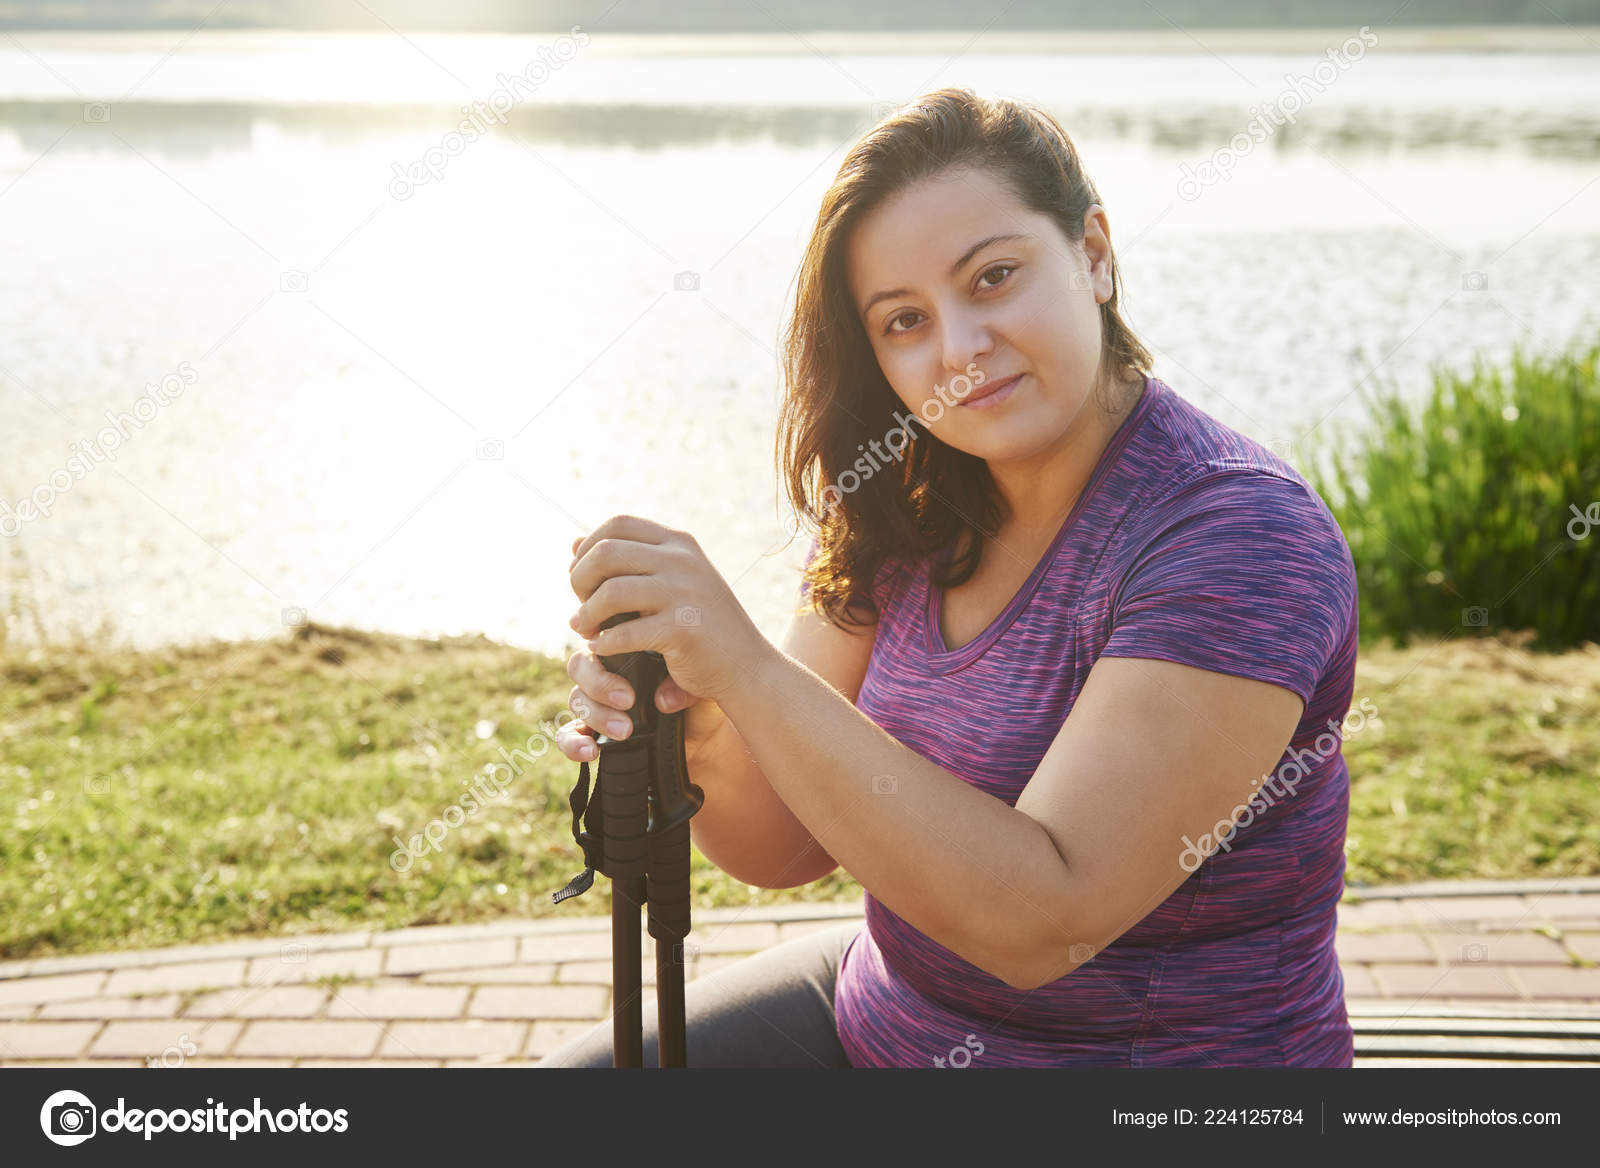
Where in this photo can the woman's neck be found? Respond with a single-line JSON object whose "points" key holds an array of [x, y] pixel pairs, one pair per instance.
{"points": [[1041, 493]]}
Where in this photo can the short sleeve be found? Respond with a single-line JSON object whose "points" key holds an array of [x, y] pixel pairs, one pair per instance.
{"points": [[1242, 572]]}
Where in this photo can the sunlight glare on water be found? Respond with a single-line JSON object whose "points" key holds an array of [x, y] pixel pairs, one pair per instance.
{"points": [[404, 408]]}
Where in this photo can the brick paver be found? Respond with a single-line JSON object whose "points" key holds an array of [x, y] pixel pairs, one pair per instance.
{"points": [[190, 975], [510, 974], [398, 1001], [1391, 946], [548, 1036], [1499, 948], [154, 1006], [454, 955], [315, 966], [171, 1041], [1585, 945], [591, 946], [340, 1039], [31, 1040], [600, 972], [366, 1063], [1446, 981], [554, 1002], [738, 937], [1567, 982], [1505, 909], [64, 987], [1358, 982], [453, 1039], [507, 993], [251, 1001]]}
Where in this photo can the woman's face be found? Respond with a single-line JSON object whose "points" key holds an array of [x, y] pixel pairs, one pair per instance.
{"points": [[1025, 303]]}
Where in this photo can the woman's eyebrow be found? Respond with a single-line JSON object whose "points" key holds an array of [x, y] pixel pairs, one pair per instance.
{"points": [[955, 268]]}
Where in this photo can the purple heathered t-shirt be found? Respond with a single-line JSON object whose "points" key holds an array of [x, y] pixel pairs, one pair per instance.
{"points": [[1193, 544]]}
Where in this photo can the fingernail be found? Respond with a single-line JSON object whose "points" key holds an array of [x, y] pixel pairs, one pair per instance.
{"points": [[618, 727], [588, 751], [619, 699]]}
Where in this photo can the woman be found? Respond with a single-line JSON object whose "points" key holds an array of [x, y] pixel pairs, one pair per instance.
{"points": [[1066, 696]]}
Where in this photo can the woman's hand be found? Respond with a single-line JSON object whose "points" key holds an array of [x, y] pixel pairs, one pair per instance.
{"points": [[600, 699], [688, 614]]}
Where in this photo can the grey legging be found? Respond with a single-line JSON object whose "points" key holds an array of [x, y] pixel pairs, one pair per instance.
{"points": [[772, 1009]]}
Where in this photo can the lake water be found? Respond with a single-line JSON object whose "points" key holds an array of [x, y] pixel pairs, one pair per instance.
{"points": [[401, 400]]}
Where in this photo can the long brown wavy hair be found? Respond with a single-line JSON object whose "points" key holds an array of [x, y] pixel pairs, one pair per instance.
{"points": [[836, 396]]}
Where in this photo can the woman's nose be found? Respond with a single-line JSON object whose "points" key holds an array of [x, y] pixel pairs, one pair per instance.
{"points": [[966, 340]]}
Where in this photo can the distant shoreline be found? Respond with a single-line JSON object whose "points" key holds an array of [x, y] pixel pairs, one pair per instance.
{"points": [[1457, 39]]}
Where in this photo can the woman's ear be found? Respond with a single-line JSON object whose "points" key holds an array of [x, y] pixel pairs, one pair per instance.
{"points": [[1097, 251]]}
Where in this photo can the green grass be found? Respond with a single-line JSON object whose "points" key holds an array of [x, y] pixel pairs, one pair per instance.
{"points": [[246, 789], [1483, 764], [1471, 512], [230, 790], [237, 789]]}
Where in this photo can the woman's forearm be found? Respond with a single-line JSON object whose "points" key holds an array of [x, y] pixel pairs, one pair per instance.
{"points": [[974, 874], [743, 827]]}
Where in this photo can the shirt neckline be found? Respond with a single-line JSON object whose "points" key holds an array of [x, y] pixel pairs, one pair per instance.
{"points": [[945, 659]]}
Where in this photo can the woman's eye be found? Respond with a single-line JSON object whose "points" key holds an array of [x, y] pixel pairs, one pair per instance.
{"points": [[888, 325], [889, 328], [1007, 268]]}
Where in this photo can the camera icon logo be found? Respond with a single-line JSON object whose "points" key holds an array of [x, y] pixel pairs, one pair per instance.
{"points": [[294, 617], [1474, 281], [293, 281], [1475, 618], [1475, 952], [1282, 447], [687, 615], [683, 952], [489, 450], [96, 111], [292, 953], [67, 1118], [1081, 954], [884, 785], [96, 785], [1079, 281], [686, 282]]}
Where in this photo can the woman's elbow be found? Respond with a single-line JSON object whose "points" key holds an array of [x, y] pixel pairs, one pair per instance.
{"points": [[804, 869]]}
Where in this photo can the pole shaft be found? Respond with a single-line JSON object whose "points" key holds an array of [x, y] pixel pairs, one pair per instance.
{"points": [[627, 1002]]}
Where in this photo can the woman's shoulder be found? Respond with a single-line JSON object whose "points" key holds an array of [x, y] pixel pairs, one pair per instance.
{"points": [[1229, 526], [1194, 468]]}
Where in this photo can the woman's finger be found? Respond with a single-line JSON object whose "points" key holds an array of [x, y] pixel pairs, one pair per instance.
{"points": [[593, 677], [576, 741], [606, 719], [669, 696]]}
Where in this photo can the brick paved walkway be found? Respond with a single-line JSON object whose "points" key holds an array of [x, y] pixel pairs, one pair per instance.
{"points": [[505, 994]]}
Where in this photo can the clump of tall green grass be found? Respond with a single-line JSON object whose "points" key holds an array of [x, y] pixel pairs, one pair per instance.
{"points": [[1478, 510]]}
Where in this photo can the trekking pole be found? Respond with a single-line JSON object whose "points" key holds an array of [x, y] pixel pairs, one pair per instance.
{"points": [[642, 803]]}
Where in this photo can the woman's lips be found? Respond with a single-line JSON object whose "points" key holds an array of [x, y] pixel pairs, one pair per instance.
{"points": [[992, 394]]}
